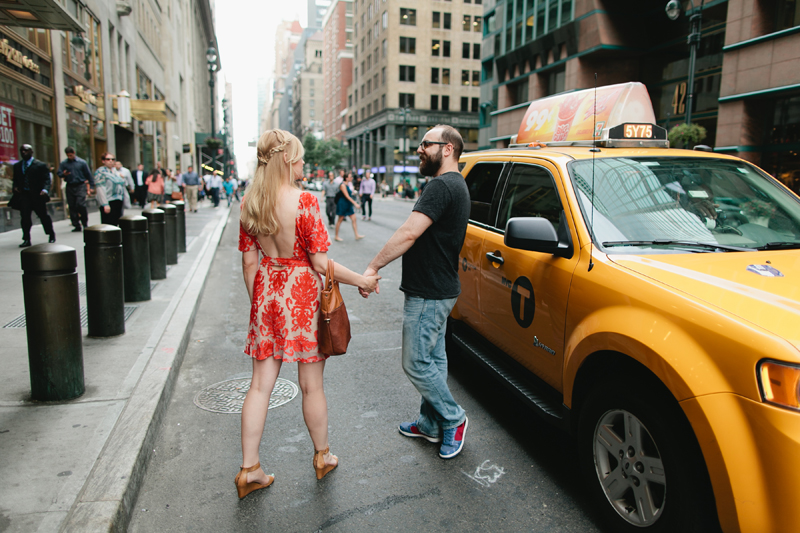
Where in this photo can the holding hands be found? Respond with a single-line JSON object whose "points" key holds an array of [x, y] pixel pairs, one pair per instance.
{"points": [[370, 283]]}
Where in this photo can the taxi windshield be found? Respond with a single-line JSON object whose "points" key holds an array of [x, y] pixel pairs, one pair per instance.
{"points": [[681, 204]]}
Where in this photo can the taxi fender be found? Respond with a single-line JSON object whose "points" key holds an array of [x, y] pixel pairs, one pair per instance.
{"points": [[648, 338]]}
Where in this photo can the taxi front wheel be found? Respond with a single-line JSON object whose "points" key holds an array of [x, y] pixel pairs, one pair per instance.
{"points": [[642, 464]]}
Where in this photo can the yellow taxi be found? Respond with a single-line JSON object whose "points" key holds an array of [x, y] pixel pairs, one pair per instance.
{"points": [[646, 299]]}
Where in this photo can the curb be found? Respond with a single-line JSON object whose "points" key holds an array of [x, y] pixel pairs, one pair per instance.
{"points": [[112, 488]]}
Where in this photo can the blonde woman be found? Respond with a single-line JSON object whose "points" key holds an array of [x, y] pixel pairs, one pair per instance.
{"points": [[284, 241]]}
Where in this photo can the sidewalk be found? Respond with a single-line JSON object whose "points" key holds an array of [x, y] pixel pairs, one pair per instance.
{"points": [[77, 465]]}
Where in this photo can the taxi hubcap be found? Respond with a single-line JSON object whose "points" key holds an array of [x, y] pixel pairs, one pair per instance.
{"points": [[629, 468]]}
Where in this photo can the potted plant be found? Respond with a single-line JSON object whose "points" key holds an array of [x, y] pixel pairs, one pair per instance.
{"points": [[686, 135], [212, 143], [758, 211]]}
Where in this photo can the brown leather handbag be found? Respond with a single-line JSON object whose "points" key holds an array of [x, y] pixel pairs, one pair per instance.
{"points": [[334, 324]]}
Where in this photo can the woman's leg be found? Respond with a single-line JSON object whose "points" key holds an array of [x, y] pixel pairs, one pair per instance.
{"points": [[355, 227], [254, 413], [338, 223], [315, 405]]}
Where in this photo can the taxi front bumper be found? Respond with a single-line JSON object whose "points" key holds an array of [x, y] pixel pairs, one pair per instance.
{"points": [[752, 451]]}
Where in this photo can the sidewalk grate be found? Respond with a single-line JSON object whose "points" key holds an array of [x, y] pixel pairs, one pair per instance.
{"points": [[19, 322], [228, 396]]}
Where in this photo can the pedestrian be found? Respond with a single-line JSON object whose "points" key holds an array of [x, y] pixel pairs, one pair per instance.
{"points": [[75, 172], [215, 184], [140, 190], [228, 186], [171, 191], [31, 186], [346, 206], [155, 188], [281, 270], [110, 190], [430, 241], [235, 184], [191, 181], [330, 188], [384, 188], [126, 175], [365, 191]]}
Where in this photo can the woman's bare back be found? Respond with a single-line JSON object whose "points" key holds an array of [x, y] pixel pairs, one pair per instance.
{"points": [[281, 244]]}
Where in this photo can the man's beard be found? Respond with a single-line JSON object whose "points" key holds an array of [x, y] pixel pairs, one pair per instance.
{"points": [[431, 164]]}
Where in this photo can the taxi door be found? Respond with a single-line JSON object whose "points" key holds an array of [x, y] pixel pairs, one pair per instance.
{"points": [[524, 294], [482, 181]]}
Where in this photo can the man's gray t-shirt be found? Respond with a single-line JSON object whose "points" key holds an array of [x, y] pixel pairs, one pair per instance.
{"points": [[330, 188], [430, 266]]}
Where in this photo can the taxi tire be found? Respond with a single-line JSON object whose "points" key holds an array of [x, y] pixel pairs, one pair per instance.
{"points": [[688, 503]]}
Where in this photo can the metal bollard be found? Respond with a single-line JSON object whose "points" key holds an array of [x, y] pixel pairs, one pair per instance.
{"points": [[181, 217], [171, 219], [156, 229], [105, 305], [53, 321], [136, 258]]}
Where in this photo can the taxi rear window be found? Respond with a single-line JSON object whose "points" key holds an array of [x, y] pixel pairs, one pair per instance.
{"points": [[482, 181], [640, 200]]}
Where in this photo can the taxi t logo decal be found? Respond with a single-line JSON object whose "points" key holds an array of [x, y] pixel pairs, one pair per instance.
{"points": [[522, 302]]}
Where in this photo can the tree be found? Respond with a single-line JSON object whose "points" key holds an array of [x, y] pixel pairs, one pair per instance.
{"points": [[686, 135], [327, 154]]}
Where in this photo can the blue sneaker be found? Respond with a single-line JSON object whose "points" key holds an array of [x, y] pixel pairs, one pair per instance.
{"points": [[410, 429], [453, 441]]}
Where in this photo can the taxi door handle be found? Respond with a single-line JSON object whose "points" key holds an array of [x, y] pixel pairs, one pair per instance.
{"points": [[495, 258]]}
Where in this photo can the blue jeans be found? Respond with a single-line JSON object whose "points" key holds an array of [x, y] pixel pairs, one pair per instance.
{"points": [[425, 362]]}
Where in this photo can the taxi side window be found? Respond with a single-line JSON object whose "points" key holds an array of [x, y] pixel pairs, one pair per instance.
{"points": [[481, 182], [530, 192]]}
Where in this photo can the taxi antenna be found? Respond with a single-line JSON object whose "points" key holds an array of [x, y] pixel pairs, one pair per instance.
{"points": [[594, 149]]}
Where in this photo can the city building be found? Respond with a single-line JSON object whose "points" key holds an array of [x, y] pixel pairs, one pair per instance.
{"points": [[308, 89], [109, 75], [415, 64], [747, 80], [287, 39], [337, 65], [316, 13]]}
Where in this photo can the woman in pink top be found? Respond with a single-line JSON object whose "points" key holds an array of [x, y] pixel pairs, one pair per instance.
{"points": [[155, 188]]}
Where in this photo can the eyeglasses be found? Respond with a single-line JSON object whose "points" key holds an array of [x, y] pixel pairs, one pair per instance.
{"points": [[108, 159], [427, 144]]}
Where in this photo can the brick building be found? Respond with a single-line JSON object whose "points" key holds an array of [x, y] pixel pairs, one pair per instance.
{"points": [[337, 65]]}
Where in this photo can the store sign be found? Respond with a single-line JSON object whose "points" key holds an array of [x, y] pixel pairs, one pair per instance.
{"points": [[583, 115], [86, 96], [15, 57], [8, 133]]}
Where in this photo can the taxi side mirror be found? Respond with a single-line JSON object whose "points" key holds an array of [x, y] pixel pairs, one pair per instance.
{"points": [[536, 234]]}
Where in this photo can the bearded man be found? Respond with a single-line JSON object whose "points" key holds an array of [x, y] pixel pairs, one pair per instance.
{"points": [[430, 241]]}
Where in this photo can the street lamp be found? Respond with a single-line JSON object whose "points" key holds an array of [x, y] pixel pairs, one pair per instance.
{"points": [[211, 58], [673, 11]]}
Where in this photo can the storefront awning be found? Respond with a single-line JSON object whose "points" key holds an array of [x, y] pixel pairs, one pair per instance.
{"points": [[47, 14], [156, 110]]}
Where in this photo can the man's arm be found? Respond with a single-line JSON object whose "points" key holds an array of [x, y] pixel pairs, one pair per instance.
{"points": [[89, 176], [405, 236]]}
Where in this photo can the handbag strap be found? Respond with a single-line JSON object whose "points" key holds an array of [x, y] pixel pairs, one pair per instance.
{"points": [[329, 275]]}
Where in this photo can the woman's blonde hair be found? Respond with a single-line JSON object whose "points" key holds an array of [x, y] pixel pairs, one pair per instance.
{"points": [[258, 211]]}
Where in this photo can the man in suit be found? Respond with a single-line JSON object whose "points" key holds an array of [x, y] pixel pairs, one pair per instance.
{"points": [[32, 183], [76, 173], [140, 190]]}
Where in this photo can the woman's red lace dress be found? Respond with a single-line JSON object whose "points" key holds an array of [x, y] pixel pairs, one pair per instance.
{"points": [[286, 292]]}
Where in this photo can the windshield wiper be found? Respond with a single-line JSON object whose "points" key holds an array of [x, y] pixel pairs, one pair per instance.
{"points": [[669, 242], [784, 245]]}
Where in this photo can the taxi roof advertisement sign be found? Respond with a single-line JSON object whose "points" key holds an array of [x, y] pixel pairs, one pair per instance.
{"points": [[569, 116]]}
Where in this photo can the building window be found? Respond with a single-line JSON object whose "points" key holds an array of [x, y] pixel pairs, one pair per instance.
{"points": [[465, 50], [383, 101], [447, 21], [445, 103], [445, 48], [476, 78], [477, 25], [311, 113], [445, 76], [435, 47], [369, 109], [464, 77], [369, 86], [464, 104], [555, 81], [369, 61], [355, 73], [465, 24], [408, 73], [407, 100], [434, 102], [787, 14], [434, 75], [518, 92], [350, 100], [383, 76], [408, 17], [384, 47], [476, 51], [408, 45], [474, 107], [436, 20]]}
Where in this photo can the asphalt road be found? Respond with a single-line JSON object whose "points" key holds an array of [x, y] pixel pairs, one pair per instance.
{"points": [[516, 473]]}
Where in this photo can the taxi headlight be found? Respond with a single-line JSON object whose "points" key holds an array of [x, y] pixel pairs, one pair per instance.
{"points": [[780, 383]]}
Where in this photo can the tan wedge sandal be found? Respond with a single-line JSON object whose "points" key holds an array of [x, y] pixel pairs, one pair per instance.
{"points": [[243, 487], [320, 465]]}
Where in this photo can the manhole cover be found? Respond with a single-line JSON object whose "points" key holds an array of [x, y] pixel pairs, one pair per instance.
{"points": [[228, 396]]}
